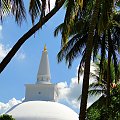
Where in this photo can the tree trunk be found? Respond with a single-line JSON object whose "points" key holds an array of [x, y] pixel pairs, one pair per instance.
{"points": [[108, 69], [36, 27], [88, 52]]}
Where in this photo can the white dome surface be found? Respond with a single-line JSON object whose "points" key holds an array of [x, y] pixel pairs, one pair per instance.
{"points": [[42, 110]]}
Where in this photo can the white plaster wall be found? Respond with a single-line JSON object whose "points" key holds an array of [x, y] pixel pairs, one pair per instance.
{"points": [[44, 68], [44, 92]]}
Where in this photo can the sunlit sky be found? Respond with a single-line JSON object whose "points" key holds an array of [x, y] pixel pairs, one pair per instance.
{"points": [[23, 67]]}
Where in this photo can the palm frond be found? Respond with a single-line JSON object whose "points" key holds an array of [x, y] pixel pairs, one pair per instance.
{"points": [[116, 35], [80, 3], [4, 8], [97, 85], [67, 47], [112, 72], [94, 75], [71, 12], [35, 8], [38, 8], [115, 66], [15, 7], [76, 50], [96, 92], [18, 10], [58, 29], [67, 21], [44, 3]]}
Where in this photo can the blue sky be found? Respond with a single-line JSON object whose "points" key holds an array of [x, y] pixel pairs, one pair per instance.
{"points": [[23, 67]]}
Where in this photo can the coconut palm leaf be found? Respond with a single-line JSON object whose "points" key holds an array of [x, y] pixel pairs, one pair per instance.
{"points": [[96, 85], [72, 13], [77, 42], [35, 7], [96, 92], [59, 29], [18, 10], [38, 8], [4, 9], [76, 50], [15, 7], [68, 20]]}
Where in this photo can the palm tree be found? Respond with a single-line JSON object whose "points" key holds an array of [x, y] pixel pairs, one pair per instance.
{"points": [[68, 22], [113, 48], [99, 86], [87, 58], [88, 54], [88, 51], [71, 49], [28, 34]]}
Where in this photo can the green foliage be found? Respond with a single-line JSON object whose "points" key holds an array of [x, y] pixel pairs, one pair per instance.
{"points": [[99, 110], [14, 7], [115, 102], [100, 85], [94, 114], [118, 3], [6, 117], [37, 9]]}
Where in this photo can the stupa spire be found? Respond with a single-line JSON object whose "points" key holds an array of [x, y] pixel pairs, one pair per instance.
{"points": [[43, 90], [45, 48], [44, 69]]}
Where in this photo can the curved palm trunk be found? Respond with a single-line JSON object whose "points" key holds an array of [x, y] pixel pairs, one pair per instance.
{"points": [[36, 27], [89, 46], [108, 69]]}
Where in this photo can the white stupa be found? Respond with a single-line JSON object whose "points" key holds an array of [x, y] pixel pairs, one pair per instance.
{"points": [[40, 98]]}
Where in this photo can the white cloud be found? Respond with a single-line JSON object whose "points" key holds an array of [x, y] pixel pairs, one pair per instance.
{"points": [[21, 56], [5, 106], [52, 3], [71, 92], [0, 27], [1, 32], [3, 51], [67, 93]]}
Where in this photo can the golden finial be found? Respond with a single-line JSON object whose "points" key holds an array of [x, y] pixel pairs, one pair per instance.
{"points": [[45, 48]]}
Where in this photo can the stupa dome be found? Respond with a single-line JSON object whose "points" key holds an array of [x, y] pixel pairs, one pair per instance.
{"points": [[42, 110]]}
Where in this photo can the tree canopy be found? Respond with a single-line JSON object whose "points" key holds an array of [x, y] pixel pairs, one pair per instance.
{"points": [[89, 26]]}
